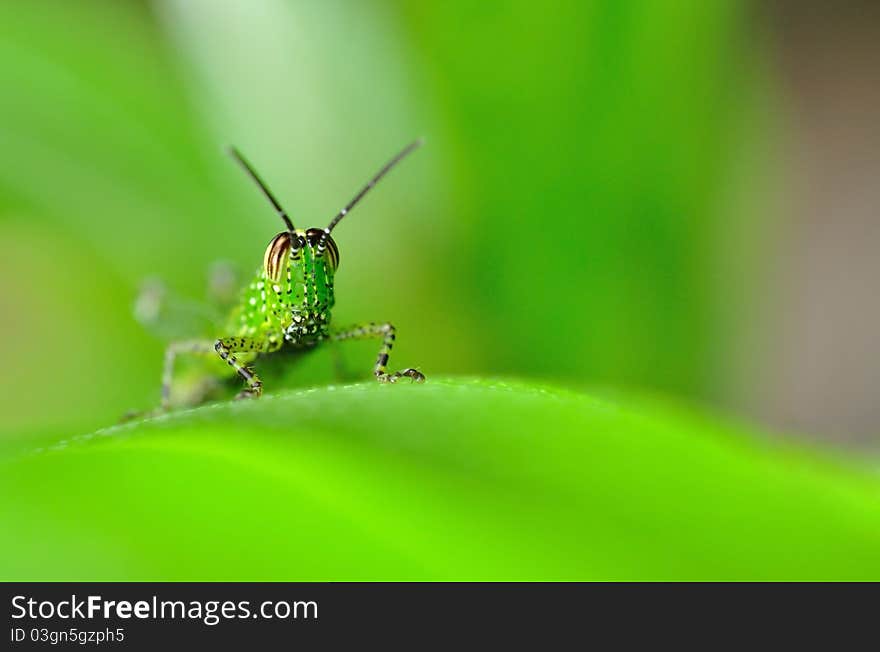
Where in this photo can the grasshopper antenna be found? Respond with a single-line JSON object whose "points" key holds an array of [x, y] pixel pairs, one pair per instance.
{"points": [[268, 193], [402, 154], [372, 182]]}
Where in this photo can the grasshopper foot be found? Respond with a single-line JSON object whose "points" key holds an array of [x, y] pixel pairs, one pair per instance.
{"points": [[414, 374], [132, 415], [250, 392]]}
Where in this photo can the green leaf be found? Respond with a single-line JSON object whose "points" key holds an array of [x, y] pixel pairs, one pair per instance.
{"points": [[454, 479]]}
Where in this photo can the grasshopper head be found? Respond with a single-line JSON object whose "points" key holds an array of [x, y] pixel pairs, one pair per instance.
{"points": [[313, 251], [308, 250]]}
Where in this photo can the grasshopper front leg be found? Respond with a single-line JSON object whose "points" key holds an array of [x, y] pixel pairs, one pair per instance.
{"points": [[386, 333], [226, 348]]}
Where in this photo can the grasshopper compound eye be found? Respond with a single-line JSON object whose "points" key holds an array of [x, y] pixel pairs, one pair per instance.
{"points": [[275, 257], [316, 236]]}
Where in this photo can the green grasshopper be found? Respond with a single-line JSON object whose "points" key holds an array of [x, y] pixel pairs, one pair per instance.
{"points": [[289, 302]]}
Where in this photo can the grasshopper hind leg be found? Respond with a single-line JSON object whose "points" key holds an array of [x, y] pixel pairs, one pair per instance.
{"points": [[195, 347], [174, 349]]}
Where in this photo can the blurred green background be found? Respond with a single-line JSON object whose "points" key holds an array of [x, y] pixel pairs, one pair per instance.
{"points": [[601, 201], [564, 220]]}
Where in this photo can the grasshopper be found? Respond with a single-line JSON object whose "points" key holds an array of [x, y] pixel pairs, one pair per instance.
{"points": [[288, 303]]}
